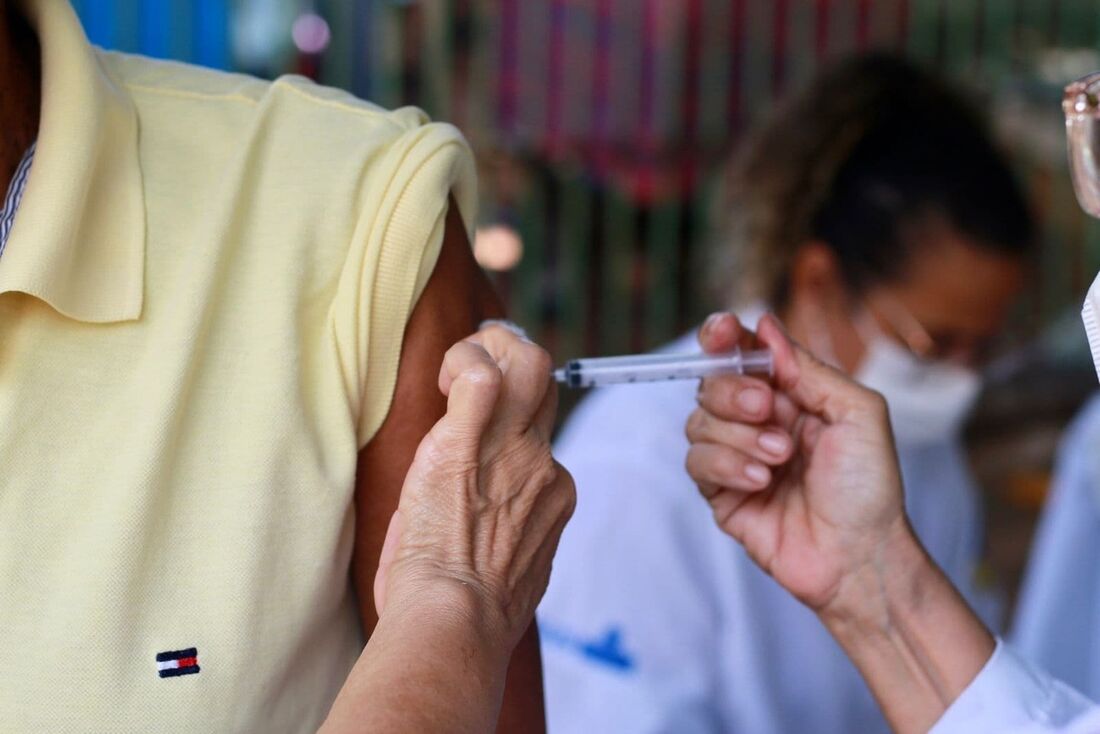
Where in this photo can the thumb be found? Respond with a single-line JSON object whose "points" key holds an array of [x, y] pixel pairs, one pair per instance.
{"points": [[721, 332], [813, 385], [471, 380]]}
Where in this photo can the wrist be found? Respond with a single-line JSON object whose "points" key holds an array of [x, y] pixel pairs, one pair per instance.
{"points": [[909, 631], [891, 581], [454, 610], [432, 664]]}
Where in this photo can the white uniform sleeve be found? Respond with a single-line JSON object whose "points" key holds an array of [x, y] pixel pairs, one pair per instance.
{"points": [[1058, 619], [1010, 696]]}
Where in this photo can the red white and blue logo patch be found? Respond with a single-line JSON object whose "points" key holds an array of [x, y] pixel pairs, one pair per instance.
{"points": [[178, 662]]}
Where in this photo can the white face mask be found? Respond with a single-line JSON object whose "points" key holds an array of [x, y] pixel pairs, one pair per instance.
{"points": [[1091, 315], [928, 400]]}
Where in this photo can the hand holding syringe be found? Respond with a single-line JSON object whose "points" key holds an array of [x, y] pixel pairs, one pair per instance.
{"points": [[599, 371]]}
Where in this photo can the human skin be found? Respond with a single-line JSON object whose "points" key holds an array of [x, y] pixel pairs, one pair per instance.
{"points": [[827, 520], [467, 555]]}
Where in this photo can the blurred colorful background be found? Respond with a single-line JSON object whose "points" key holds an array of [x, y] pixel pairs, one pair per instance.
{"points": [[601, 127]]}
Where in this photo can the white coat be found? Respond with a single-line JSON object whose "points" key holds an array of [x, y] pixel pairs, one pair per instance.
{"points": [[1058, 619]]}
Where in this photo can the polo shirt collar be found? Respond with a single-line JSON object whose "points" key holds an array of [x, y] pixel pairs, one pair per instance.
{"points": [[78, 240]]}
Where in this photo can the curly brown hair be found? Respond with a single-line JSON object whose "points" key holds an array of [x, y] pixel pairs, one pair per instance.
{"points": [[865, 150]]}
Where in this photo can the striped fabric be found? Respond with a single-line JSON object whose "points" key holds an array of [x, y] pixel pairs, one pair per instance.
{"points": [[15, 195]]}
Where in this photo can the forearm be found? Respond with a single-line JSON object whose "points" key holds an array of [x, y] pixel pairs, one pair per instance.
{"points": [[423, 671], [912, 636]]}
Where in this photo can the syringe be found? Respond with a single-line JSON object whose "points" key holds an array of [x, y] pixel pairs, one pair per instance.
{"points": [[598, 371]]}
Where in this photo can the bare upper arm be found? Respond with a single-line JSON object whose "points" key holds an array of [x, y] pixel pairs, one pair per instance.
{"points": [[456, 299]]}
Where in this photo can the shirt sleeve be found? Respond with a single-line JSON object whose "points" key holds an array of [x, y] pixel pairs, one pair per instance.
{"points": [[1056, 618], [1011, 696], [395, 245]]}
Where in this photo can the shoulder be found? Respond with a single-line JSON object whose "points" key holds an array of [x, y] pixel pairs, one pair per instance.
{"points": [[148, 79], [333, 169], [141, 76], [289, 127]]}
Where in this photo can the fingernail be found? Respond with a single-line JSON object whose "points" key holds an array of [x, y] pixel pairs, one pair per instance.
{"points": [[757, 473], [713, 319], [505, 324], [773, 443], [752, 400]]}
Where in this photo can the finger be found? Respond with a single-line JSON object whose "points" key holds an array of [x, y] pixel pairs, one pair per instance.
{"points": [[528, 375], [543, 422], [813, 385], [511, 326], [722, 331], [769, 445], [458, 358], [785, 413], [714, 464], [737, 398], [708, 489], [472, 381], [724, 506]]}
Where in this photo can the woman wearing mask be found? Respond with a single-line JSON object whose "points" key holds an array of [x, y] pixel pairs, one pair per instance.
{"points": [[878, 220], [827, 522]]}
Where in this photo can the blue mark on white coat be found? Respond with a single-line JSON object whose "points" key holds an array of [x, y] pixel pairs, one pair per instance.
{"points": [[606, 650]]}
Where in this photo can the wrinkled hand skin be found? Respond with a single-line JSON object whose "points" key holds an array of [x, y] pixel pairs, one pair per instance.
{"points": [[484, 503]]}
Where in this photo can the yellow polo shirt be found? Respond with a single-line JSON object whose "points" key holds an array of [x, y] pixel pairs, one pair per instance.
{"points": [[202, 302]]}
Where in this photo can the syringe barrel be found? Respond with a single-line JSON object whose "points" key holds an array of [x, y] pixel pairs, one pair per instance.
{"points": [[599, 371], [757, 362]]}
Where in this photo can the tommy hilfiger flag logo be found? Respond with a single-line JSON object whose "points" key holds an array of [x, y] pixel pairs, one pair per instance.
{"points": [[178, 662]]}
